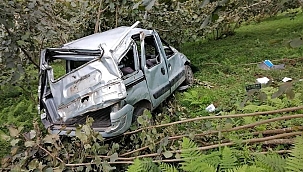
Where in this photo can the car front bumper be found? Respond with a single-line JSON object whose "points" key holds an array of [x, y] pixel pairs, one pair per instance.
{"points": [[120, 122]]}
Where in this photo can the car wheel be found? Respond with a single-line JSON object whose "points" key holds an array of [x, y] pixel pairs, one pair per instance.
{"points": [[189, 76], [138, 112]]}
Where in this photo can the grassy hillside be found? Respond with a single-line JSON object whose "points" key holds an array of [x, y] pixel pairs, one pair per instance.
{"points": [[231, 63]]}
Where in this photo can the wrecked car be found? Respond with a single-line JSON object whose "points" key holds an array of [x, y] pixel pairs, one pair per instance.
{"points": [[111, 76]]}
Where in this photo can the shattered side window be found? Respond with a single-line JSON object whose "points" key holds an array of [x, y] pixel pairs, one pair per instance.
{"points": [[168, 51], [151, 52], [76, 64], [127, 64]]}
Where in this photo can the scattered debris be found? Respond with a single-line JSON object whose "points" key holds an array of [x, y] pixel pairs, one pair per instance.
{"points": [[268, 65], [253, 86], [205, 84], [263, 80], [211, 108], [286, 79]]}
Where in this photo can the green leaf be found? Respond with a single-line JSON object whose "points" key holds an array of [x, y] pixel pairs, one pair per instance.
{"points": [[25, 36], [140, 120], [149, 4], [14, 150], [73, 4], [33, 164], [49, 169], [13, 131], [20, 42], [51, 138], [100, 137], [29, 143], [112, 5], [214, 17], [165, 141], [32, 134], [5, 137], [98, 160], [87, 146], [14, 142], [113, 157], [167, 154]]}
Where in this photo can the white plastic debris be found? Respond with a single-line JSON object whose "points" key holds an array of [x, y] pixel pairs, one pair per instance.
{"points": [[285, 79], [211, 108], [263, 80]]}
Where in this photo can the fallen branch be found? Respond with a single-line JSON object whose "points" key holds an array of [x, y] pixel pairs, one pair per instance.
{"points": [[248, 141], [278, 152], [278, 141], [275, 131], [218, 117], [238, 128], [170, 160]]}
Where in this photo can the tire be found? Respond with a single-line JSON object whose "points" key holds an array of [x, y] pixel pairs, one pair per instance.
{"points": [[189, 76], [138, 112]]}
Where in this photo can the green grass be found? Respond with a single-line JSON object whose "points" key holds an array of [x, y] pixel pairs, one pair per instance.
{"points": [[229, 63]]}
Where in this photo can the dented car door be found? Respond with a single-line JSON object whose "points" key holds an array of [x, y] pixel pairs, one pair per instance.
{"points": [[155, 70]]}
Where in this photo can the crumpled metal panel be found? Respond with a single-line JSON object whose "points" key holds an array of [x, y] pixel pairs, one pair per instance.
{"points": [[89, 88]]}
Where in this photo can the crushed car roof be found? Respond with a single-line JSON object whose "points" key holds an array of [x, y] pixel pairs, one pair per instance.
{"points": [[106, 39]]}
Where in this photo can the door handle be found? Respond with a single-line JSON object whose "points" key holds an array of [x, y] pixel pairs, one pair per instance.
{"points": [[163, 70], [169, 66]]}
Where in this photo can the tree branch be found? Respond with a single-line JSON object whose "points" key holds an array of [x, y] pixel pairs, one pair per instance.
{"points": [[276, 131], [218, 117], [248, 141], [100, 11], [23, 50], [50, 153]]}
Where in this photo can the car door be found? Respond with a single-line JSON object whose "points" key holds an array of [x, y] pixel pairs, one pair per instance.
{"points": [[175, 65], [155, 70]]}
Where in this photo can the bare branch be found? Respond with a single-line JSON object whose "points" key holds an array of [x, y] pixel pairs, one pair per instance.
{"points": [[218, 117], [277, 131], [50, 153], [248, 141], [29, 57]]}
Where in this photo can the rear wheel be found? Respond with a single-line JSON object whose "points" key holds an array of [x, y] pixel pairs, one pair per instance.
{"points": [[189, 76]]}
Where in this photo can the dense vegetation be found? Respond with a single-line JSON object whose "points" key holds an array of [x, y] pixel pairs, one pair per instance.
{"points": [[225, 55]]}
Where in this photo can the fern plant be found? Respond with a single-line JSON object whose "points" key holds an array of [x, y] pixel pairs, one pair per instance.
{"points": [[271, 162], [228, 160], [136, 166], [167, 167], [193, 158], [246, 168], [295, 161], [145, 165]]}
